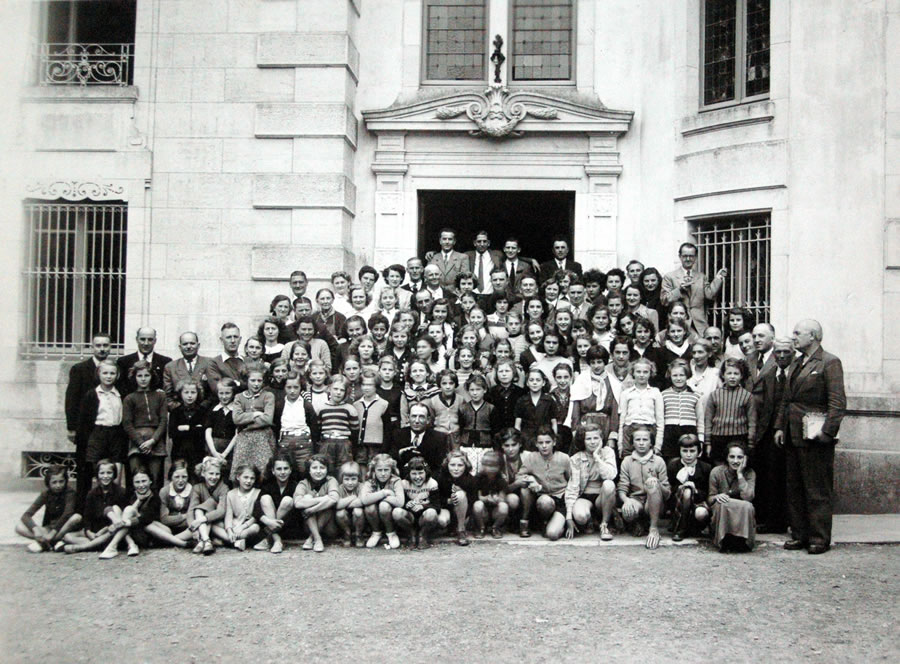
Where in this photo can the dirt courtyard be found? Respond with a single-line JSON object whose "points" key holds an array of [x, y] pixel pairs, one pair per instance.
{"points": [[486, 603]]}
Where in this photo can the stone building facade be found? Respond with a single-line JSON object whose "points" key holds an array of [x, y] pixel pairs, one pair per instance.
{"points": [[242, 139]]}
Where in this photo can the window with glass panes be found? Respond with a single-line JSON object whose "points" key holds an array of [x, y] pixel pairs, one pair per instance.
{"points": [[456, 40], [538, 39], [735, 51], [542, 40]]}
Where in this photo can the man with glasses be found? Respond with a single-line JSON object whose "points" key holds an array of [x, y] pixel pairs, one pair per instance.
{"points": [[688, 285]]}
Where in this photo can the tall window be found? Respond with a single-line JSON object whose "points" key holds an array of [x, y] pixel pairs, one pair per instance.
{"points": [[538, 40], [735, 65], [542, 43], [75, 275], [456, 40], [741, 243], [86, 42]]}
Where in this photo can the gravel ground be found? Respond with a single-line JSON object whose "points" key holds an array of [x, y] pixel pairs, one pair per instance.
{"points": [[489, 602]]}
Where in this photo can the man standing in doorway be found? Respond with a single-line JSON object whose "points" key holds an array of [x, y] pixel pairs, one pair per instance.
{"points": [[560, 261], [515, 266], [482, 260], [688, 285], [807, 425], [449, 261]]}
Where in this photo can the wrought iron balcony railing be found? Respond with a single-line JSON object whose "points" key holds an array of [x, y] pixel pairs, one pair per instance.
{"points": [[84, 64]]}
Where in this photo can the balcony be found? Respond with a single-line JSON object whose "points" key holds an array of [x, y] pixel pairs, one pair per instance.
{"points": [[84, 64]]}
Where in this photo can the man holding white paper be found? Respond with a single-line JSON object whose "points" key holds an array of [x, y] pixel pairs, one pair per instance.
{"points": [[807, 423]]}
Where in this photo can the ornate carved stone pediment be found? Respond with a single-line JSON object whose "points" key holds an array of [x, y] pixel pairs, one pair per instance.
{"points": [[498, 112]]}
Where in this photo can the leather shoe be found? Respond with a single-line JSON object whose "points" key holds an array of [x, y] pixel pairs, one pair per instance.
{"points": [[795, 545], [815, 549]]}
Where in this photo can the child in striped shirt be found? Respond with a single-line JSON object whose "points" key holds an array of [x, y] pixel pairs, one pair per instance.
{"points": [[683, 410], [730, 412], [640, 404], [337, 423]]}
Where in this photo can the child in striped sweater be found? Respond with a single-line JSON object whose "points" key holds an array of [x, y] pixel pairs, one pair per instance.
{"points": [[683, 410], [337, 424], [730, 412]]}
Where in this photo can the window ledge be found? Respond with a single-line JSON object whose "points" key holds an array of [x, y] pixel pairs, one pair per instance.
{"points": [[91, 94], [759, 112]]}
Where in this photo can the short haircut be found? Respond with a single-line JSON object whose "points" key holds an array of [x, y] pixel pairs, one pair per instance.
{"points": [[736, 362], [298, 273], [368, 269], [476, 379], [616, 272], [688, 440], [447, 373], [463, 275], [348, 468], [686, 245], [337, 274], [593, 276], [598, 352]]}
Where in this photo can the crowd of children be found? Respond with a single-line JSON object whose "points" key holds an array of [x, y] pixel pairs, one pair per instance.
{"points": [[562, 407]]}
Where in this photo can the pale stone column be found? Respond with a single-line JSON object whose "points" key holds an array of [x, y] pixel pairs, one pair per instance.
{"points": [[596, 213], [395, 230]]}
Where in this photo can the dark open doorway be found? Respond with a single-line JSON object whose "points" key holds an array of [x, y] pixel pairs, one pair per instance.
{"points": [[534, 217]]}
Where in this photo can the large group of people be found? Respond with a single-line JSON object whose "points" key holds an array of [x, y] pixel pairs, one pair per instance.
{"points": [[474, 394]]}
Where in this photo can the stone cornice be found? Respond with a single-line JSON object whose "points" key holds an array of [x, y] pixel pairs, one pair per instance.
{"points": [[497, 112]]}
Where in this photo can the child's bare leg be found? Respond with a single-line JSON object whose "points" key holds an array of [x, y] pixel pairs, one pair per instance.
{"points": [[478, 513], [72, 523], [501, 511], [512, 499], [371, 512], [427, 523], [555, 526], [132, 545], [217, 530], [528, 500], [112, 547], [654, 509], [581, 512], [403, 520], [461, 509], [359, 521], [385, 515], [342, 519], [164, 534], [606, 501], [268, 518], [701, 514], [24, 531]]}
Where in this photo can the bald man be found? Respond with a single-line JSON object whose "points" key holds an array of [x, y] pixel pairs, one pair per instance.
{"points": [[146, 344], [807, 426], [190, 365], [767, 388]]}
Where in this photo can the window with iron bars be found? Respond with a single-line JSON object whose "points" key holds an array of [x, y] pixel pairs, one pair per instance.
{"points": [[734, 52], [85, 42], [74, 276], [741, 243]]}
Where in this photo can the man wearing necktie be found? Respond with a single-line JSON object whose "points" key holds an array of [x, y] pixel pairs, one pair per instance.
{"points": [[807, 424], [482, 260], [560, 261], [420, 438], [688, 285], [190, 365], [146, 344], [448, 260], [767, 388]]}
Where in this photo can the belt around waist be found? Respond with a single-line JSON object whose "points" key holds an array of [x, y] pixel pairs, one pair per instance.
{"points": [[108, 426], [296, 433]]}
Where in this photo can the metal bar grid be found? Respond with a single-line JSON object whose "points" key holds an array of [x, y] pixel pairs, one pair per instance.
{"points": [[743, 245], [75, 277]]}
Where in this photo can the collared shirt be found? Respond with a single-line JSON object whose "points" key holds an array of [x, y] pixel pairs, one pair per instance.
{"points": [[293, 418], [109, 412], [484, 261]]}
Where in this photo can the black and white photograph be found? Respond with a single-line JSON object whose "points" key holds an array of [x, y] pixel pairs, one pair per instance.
{"points": [[450, 330]]}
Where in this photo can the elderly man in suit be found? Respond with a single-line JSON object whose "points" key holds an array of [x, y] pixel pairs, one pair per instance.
{"points": [[449, 261], [768, 365], [146, 343], [807, 424], [420, 438], [191, 365], [560, 261], [482, 260], [687, 284]]}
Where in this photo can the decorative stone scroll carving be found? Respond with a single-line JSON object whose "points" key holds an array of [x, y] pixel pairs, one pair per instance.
{"points": [[496, 113], [75, 191]]}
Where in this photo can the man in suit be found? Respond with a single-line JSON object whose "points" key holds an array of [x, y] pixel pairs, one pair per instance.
{"points": [[815, 387], [146, 342], [560, 261], [482, 260], [449, 261], [420, 438], [434, 283], [687, 284], [515, 265], [190, 365], [766, 383], [82, 379], [229, 364]]}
